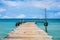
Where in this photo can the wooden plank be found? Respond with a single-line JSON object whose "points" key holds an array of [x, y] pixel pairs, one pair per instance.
{"points": [[28, 31]]}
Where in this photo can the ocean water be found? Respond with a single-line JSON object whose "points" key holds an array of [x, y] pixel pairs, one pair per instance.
{"points": [[7, 25]]}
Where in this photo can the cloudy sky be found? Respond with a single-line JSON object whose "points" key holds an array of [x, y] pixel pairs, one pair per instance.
{"points": [[29, 8]]}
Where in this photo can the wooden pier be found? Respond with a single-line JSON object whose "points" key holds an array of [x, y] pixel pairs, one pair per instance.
{"points": [[28, 31]]}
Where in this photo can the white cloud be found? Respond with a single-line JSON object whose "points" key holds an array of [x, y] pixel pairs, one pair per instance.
{"points": [[50, 15], [38, 16], [46, 4], [13, 3], [49, 4], [42, 16], [10, 3], [0, 15], [6, 17], [21, 16], [57, 14], [38, 4], [58, 5], [34, 17], [2, 9], [53, 15]]}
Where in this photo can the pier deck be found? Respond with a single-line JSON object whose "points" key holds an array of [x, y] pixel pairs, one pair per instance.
{"points": [[28, 31]]}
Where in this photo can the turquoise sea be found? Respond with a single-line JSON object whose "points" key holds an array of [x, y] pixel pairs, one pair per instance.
{"points": [[7, 25]]}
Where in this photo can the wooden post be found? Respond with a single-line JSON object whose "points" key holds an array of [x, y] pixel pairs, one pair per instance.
{"points": [[45, 23]]}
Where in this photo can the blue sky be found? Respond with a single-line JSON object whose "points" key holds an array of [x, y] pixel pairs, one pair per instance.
{"points": [[29, 8]]}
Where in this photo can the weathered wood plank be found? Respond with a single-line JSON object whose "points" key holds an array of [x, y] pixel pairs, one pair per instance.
{"points": [[28, 31]]}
